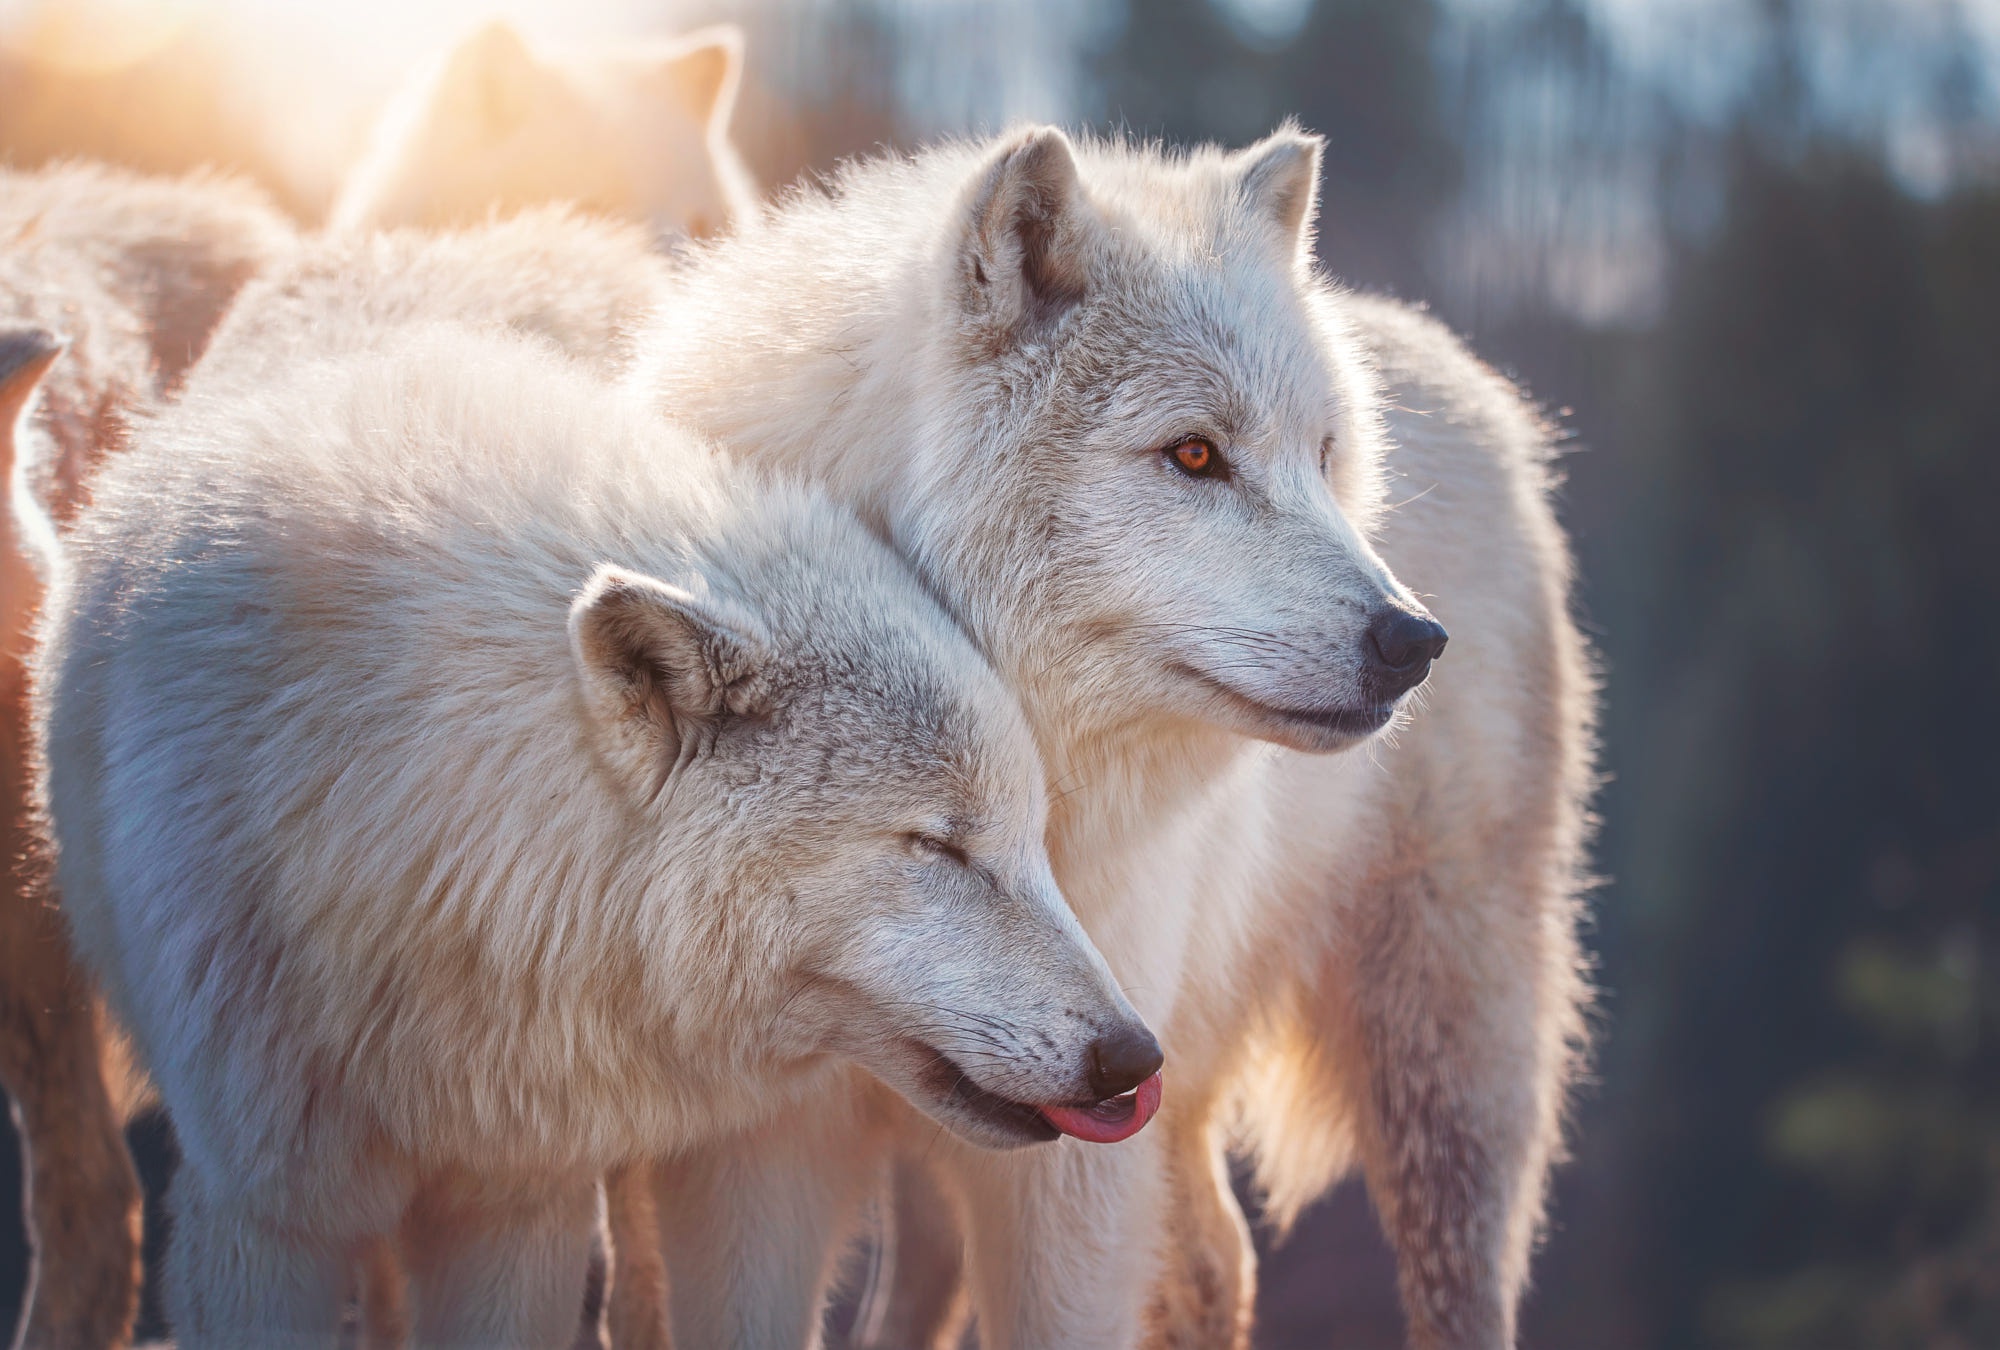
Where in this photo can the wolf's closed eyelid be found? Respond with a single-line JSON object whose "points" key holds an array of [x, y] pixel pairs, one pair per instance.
{"points": [[931, 843]]}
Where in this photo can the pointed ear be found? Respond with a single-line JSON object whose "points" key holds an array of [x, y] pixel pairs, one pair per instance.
{"points": [[25, 356], [1024, 256], [490, 78], [704, 69], [663, 668], [1279, 178]]}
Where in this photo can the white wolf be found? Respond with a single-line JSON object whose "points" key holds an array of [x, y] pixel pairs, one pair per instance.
{"points": [[1099, 396], [461, 781], [642, 131], [135, 273]]}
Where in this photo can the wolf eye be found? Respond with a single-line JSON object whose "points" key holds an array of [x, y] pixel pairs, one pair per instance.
{"points": [[1197, 457], [940, 848], [1325, 454]]}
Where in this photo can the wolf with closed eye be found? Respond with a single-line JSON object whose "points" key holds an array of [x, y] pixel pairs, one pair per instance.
{"points": [[1212, 519], [461, 782]]}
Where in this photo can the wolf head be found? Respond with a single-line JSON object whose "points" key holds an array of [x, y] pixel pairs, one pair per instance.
{"points": [[1097, 394], [639, 134], [1165, 420], [881, 821]]}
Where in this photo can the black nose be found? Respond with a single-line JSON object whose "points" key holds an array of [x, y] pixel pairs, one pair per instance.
{"points": [[1401, 647], [1122, 1060]]}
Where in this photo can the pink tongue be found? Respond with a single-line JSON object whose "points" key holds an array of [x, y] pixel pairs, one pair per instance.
{"points": [[1108, 1121]]}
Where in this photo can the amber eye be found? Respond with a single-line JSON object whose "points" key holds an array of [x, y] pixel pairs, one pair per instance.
{"points": [[1197, 458]]}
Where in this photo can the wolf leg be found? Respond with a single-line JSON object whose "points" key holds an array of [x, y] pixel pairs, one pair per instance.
{"points": [[235, 1281], [499, 1261], [384, 1296], [1061, 1241], [1454, 1010], [637, 1310], [916, 1299], [83, 1195], [750, 1227], [1207, 1288]]}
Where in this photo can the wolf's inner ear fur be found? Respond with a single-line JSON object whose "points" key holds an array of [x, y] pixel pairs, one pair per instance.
{"points": [[1279, 177], [490, 77], [1025, 256], [25, 356], [662, 668], [704, 69]]}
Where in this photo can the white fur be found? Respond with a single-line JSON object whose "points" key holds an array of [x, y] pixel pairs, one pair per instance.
{"points": [[1358, 957], [461, 783]]}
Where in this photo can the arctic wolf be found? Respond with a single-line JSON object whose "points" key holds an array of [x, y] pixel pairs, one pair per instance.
{"points": [[641, 131], [1100, 398], [132, 273], [461, 781]]}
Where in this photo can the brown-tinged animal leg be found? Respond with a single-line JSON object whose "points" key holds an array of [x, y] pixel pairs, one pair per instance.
{"points": [[83, 1195], [637, 1311], [385, 1297]]}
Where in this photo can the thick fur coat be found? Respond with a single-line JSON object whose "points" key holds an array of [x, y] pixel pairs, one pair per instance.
{"points": [[1360, 946], [462, 782]]}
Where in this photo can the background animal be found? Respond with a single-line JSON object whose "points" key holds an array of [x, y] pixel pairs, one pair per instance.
{"points": [[649, 856], [636, 130], [133, 274]]}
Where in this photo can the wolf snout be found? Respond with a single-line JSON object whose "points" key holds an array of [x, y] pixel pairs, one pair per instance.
{"points": [[1401, 645], [1123, 1059]]}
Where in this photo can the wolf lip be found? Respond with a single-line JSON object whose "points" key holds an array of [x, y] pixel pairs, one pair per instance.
{"points": [[954, 1087], [1362, 721], [1102, 1122], [1111, 1120]]}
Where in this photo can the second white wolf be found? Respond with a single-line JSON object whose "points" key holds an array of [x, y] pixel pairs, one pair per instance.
{"points": [[462, 783]]}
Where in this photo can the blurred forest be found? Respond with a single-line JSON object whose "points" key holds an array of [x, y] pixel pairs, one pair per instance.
{"points": [[1750, 251]]}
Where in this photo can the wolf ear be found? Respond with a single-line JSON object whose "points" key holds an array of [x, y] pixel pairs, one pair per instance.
{"points": [[704, 69], [490, 77], [1024, 256], [1279, 177], [662, 668], [25, 356]]}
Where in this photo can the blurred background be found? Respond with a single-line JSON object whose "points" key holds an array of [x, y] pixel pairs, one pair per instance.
{"points": [[1749, 252]]}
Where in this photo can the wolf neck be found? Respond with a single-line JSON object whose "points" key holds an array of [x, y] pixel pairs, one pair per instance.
{"points": [[797, 346], [1110, 792]]}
